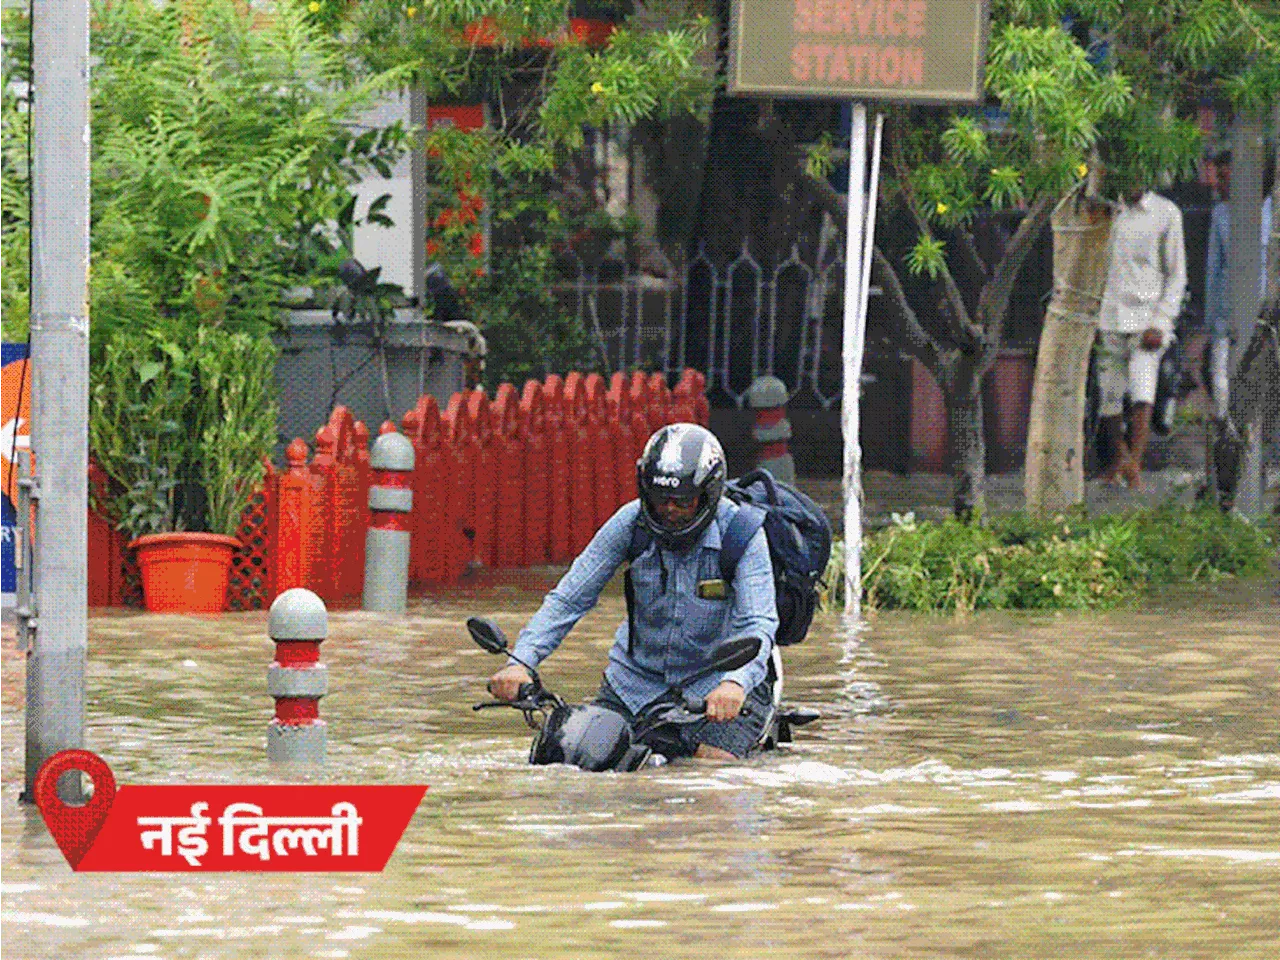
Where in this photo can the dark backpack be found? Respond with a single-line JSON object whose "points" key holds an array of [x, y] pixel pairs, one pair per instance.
{"points": [[799, 538]]}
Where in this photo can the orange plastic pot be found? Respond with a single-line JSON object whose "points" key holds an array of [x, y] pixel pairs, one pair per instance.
{"points": [[185, 572]]}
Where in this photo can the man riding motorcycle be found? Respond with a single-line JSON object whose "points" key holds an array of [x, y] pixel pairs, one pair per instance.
{"points": [[679, 608]]}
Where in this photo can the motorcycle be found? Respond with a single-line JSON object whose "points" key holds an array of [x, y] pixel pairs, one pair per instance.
{"points": [[596, 738]]}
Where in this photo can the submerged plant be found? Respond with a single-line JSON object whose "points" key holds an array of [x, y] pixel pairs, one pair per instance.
{"points": [[1069, 562]]}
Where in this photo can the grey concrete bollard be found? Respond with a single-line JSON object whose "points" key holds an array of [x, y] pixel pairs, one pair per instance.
{"points": [[768, 397], [298, 623], [386, 545]]}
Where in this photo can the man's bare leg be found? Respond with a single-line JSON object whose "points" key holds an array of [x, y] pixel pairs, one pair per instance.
{"points": [[1139, 433], [1113, 428]]}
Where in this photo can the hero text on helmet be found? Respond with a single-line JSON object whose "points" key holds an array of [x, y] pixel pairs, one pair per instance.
{"points": [[681, 461]]}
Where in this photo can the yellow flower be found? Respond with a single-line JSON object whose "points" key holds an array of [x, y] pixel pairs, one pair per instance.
{"points": [[1082, 170], [941, 208], [313, 6], [597, 87], [410, 12]]}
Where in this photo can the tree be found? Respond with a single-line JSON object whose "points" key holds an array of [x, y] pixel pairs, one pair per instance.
{"points": [[944, 166], [1177, 55], [15, 192], [222, 162], [543, 85], [224, 147]]}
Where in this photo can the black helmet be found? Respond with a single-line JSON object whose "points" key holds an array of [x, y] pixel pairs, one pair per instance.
{"points": [[681, 460]]}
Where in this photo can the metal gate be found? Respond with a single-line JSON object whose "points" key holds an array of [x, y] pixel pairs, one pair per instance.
{"points": [[737, 320]]}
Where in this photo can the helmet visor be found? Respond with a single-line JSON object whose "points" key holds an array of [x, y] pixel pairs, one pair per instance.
{"points": [[674, 512]]}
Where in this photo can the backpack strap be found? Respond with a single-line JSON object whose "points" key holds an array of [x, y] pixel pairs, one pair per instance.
{"points": [[640, 540], [736, 536]]}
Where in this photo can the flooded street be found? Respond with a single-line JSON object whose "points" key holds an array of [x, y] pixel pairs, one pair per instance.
{"points": [[1002, 786]]}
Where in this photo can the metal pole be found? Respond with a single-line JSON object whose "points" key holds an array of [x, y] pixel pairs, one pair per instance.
{"points": [[60, 380], [854, 335]]}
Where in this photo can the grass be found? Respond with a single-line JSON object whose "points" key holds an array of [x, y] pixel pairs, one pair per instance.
{"points": [[1068, 562]]}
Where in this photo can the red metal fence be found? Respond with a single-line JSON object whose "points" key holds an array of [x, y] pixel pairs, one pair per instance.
{"points": [[520, 480]]}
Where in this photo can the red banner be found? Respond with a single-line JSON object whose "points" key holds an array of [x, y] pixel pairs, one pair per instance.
{"points": [[300, 828]]}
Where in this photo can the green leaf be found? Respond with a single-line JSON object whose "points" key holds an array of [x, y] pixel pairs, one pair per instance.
{"points": [[149, 371], [927, 256]]}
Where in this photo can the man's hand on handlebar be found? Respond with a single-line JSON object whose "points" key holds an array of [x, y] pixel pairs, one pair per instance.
{"points": [[725, 701], [506, 683]]}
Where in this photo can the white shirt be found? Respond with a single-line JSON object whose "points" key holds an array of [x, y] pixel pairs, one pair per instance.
{"points": [[1146, 269]]}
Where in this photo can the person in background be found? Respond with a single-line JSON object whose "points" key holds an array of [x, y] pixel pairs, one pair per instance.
{"points": [[1217, 292], [1146, 281]]}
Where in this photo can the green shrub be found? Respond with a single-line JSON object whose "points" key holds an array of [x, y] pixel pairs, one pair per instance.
{"points": [[1070, 562], [182, 424]]}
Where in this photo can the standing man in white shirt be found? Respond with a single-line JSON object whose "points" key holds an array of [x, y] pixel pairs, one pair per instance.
{"points": [[1146, 281]]}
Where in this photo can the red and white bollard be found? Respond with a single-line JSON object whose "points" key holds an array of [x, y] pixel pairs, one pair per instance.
{"points": [[386, 545], [298, 624], [768, 397]]}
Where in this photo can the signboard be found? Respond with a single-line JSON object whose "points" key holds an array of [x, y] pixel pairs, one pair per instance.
{"points": [[916, 51], [15, 419]]}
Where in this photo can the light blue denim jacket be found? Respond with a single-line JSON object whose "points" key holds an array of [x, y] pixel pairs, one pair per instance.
{"points": [[675, 629]]}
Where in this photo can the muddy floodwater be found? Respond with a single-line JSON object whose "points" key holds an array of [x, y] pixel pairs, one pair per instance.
{"points": [[1073, 786]]}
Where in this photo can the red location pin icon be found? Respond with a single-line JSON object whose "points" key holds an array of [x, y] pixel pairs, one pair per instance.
{"points": [[74, 828]]}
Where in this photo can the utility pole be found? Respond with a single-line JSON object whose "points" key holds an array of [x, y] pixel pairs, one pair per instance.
{"points": [[60, 382]]}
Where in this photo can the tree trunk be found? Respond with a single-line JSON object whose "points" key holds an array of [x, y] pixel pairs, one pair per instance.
{"points": [[965, 440], [1234, 461], [1054, 477]]}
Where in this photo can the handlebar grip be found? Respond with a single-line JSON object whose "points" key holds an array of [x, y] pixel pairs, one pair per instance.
{"points": [[526, 691], [696, 705]]}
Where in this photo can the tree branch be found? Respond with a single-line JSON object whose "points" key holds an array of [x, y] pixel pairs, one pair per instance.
{"points": [[993, 304], [915, 339], [967, 333], [969, 250]]}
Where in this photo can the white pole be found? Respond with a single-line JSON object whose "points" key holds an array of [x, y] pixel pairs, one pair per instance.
{"points": [[854, 334], [869, 232], [59, 381]]}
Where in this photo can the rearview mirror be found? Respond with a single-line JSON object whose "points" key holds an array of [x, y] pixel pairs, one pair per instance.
{"points": [[488, 635]]}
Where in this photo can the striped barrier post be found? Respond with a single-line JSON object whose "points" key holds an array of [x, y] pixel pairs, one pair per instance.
{"points": [[387, 542], [297, 623], [768, 397]]}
